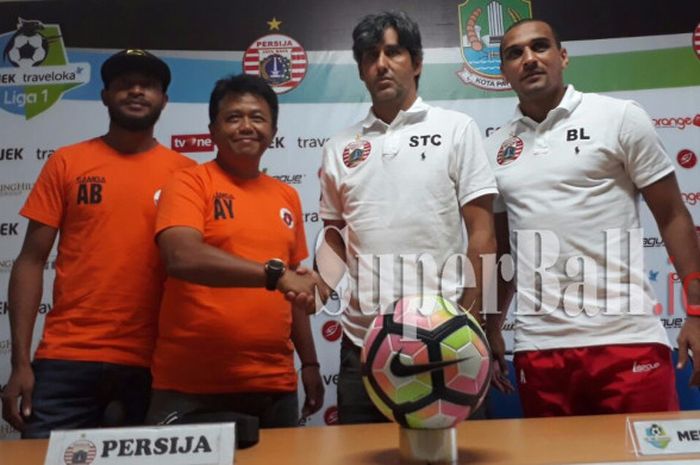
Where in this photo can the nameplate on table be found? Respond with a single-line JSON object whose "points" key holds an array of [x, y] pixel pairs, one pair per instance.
{"points": [[664, 437], [201, 444]]}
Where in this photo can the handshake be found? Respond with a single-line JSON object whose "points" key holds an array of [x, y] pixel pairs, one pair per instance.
{"points": [[300, 287]]}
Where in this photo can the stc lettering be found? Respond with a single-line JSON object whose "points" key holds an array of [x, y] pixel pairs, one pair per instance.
{"points": [[422, 141]]}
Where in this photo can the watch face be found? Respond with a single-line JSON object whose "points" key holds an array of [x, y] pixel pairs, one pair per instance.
{"points": [[275, 265]]}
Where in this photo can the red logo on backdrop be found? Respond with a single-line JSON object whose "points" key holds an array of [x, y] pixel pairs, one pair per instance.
{"points": [[188, 143], [332, 330], [331, 415], [677, 122], [686, 158]]}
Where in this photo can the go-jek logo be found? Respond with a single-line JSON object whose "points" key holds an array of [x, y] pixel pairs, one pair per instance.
{"points": [[34, 70]]}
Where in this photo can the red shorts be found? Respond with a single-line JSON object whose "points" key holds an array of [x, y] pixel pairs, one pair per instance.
{"points": [[596, 380]]}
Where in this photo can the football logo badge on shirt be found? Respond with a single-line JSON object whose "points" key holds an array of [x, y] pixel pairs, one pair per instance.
{"points": [[356, 152], [287, 217], [510, 150]]}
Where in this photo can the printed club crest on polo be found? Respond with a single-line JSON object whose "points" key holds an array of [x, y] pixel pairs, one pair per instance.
{"points": [[287, 217], [510, 150], [35, 68], [482, 24], [80, 452], [280, 60], [356, 152]]}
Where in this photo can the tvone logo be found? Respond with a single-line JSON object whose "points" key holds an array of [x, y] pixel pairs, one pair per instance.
{"points": [[691, 198], [677, 122]]}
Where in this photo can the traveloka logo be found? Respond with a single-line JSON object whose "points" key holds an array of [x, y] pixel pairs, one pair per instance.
{"points": [[34, 70], [482, 24], [656, 436]]}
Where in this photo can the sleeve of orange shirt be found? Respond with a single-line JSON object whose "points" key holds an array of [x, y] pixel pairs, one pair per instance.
{"points": [[299, 251], [46, 202], [183, 202]]}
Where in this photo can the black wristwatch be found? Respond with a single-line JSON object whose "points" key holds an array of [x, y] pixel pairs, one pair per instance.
{"points": [[274, 269]]}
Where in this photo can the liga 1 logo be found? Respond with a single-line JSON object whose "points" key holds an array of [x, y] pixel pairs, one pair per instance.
{"points": [[482, 24], [34, 70], [280, 60]]}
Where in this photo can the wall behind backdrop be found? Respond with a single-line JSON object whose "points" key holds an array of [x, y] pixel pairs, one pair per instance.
{"points": [[648, 51]]}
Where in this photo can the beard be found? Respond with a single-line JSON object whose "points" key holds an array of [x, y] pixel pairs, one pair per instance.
{"points": [[134, 124]]}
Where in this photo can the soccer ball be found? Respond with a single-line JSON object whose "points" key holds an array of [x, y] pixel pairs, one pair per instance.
{"points": [[426, 363], [26, 51]]}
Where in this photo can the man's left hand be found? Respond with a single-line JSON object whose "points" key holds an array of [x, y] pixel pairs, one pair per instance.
{"points": [[313, 388]]}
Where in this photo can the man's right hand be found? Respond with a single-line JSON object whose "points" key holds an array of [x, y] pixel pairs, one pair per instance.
{"points": [[299, 286], [17, 396], [498, 359]]}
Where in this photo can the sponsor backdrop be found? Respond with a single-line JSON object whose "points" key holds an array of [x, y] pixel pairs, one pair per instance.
{"points": [[49, 95]]}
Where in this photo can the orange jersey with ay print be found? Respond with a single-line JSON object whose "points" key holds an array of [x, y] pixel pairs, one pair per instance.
{"points": [[108, 272], [217, 340]]}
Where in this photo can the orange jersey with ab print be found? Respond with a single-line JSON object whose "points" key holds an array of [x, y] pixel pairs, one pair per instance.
{"points": [[108, 272]]}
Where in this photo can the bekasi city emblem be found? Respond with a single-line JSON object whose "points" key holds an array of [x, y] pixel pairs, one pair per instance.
{"points": [[34, 69], [482, 24], [280, 60], [356, 152], [510, 150]]}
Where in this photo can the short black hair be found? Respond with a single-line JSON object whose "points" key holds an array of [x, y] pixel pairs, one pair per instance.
{"points": [[555, 34], [370, 31], [242, 84]]}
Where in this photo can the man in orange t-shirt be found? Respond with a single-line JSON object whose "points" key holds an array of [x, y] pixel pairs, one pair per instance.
{"points": [[101, 196], [230, 237]]}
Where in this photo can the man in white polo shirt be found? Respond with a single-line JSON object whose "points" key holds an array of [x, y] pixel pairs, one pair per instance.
{"points": [[571, 166], [401, 182]]}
